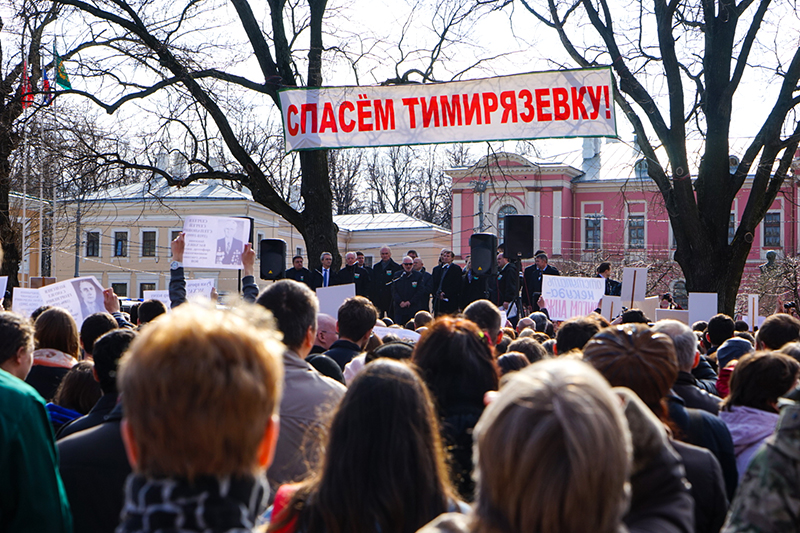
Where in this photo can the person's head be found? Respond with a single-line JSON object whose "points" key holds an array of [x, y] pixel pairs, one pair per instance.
{"points": [[350, 258], [412, 254], [684, 340], [93, 327], [294, 307], [634, 316], [525, 322], [360, 258], [539, 320], [88, 292], [16, 347], [512, 361], [446, 256], [388, 479], [777, 330], [356, 319], [38, 311], [455, 359], [391, 350], [720, 329], [149, 310], [297, 262], [666, 301], [732, 349], [78, 389], [700, 326], [575, 333], [741, 325], [326, 259], [529, 348], [501, 260], [326, 331], [486, 315], [327, 367], [759, 379], [746, 336], [386, 253], [418, 264], [108, 352], [604, 269], [553, 453], [228, 392], [634, 356], [56, 329], [408, 264], [422, 319], [541, 261]]}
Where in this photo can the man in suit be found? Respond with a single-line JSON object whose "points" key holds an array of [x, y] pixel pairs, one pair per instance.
{"points": [[407, 292], [507, 282], [298, 272], [352, 273], [613, 287], [532, 278], [229, 249], [447, 285], [325, 276], [427, 283], [382, 275]]}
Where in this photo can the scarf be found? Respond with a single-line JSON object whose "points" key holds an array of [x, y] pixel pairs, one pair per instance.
{"points": [[51, 357], [209, 504]]}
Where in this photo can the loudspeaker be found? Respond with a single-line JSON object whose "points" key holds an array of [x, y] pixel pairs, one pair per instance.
{"points": [[273, 258], [518, 236], [483, 249]]}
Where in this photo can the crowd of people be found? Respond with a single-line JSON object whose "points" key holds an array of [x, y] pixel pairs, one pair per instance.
{"points": [[266, 415]]}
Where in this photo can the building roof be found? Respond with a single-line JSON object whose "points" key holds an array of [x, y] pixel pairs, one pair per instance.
{"points": [[159, 190], [382, 221]]}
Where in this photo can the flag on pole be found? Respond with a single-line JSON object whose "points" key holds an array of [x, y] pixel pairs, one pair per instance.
{"points": [[25, 91], [62, 78], [48, 96]]}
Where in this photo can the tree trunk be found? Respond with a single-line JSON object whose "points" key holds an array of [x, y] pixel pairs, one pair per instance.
{"points": [[319, 231]]}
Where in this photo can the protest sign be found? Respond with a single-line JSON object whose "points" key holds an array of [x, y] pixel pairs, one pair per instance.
{"points": [[194, 288], [611, 307], [331, 298], [80, 296], [648, 306], [405, 334], [702, 306], [752, 310], [215, 242], [564, 103], [3, 285], [568, 297], [26, 301], [161, 296], [673, 314], [634, 286]]}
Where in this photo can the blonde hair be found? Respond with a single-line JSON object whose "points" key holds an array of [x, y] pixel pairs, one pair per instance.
{"points": [[553, 453], [199, 388]]}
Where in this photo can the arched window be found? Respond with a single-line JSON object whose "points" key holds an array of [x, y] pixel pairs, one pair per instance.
{"points": [[640, 168], [501, 215]]}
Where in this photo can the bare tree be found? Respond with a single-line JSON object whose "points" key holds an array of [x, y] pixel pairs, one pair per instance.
{"points": [[346, 168], [683, 80]]}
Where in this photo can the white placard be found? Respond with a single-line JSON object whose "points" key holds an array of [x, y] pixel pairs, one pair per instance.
{"points": [[161, 296], [3, 285], [634, 286], [503, 318], [752, 310], [702, 306], [611, 306], [199, 287], [405, 334], [562, 103], [673, 314], [215, 242], [332, 298], [567, 297], [26, 301], [80, 296], [648, 306]]}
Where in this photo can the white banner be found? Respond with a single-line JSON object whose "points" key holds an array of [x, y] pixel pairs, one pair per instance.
{"points": [[215, 242], [568, 297], [26, 301], [564, 103], [194, 288]]}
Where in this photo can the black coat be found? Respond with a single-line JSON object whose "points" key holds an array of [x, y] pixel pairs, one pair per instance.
{"points": [[357, 275], [693, 396], [474, 287], [343, 351], [316, 278], [447, 283], [613, 287], [93, 418], [382, 275], [532, 284], [708, 487], [507, 284], [407, 287], [302, 276]]}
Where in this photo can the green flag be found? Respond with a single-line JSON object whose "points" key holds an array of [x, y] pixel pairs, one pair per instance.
{"points": [[62, 78]]}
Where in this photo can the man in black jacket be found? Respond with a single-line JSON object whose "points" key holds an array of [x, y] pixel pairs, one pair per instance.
{"points": [[507, 282], [298, 272], [532, 278], [407, 292], [355, 320], [325, 276], [446, 285], [352, 273], [382, 275], [613, 287]]}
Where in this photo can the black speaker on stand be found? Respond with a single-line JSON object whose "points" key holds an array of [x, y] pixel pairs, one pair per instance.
{"points": [[273, 258], [518, 237], [483, 252]]}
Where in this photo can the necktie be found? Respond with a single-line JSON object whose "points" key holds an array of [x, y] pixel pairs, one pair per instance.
{"points": [[325, 277]]}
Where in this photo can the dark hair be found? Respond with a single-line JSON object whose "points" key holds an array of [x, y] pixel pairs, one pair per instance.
{"points": [[410, 325], [486, 315], [529, 348], [541, 255], [56, 329], [294, 307], [634, 316], [777, 330], [741, 325], [356, 317], [15, 332], [38, 311], [360, 253], [78, 389], [422, 318], [150, 309], [456, 362], [502, 346], [760, 378], [134, 311], [575, 333], [700, 325], [296, 257], [746, 335], [720, 328], [93, 327], [602, 267], [370, 479], [326, 366], [391, 350], [511, 362], [634, 356], [108, 350]]}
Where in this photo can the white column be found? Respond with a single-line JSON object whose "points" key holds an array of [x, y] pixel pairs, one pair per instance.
{"points": [[556, 222], [537, 221], [456, 224]]}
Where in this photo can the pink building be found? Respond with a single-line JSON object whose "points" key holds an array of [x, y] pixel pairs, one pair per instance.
{"points": [[596, 202]]}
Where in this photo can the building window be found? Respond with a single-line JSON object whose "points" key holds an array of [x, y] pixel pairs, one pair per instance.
{"points": [[640, 168], [368, 260], [593, 234], [501, 217], [120, 244], [93, 244], [148, 244], [772, 229], [146, 287], [731, 227], [120, 289], [636, 231]]}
